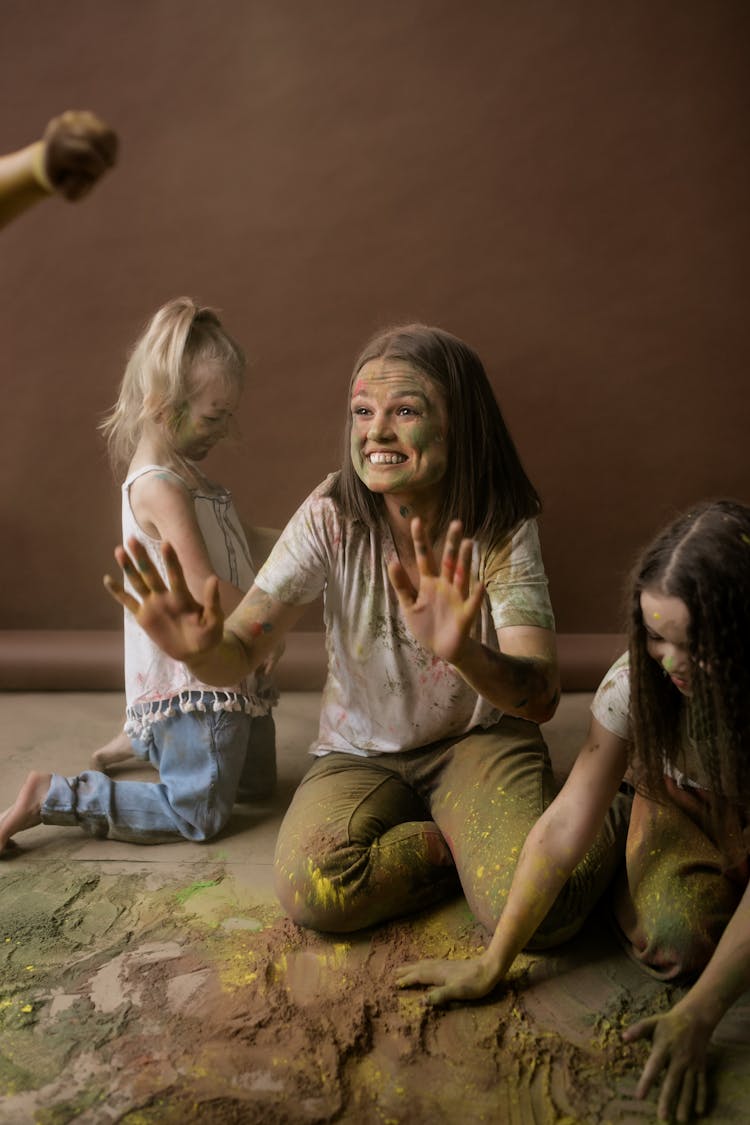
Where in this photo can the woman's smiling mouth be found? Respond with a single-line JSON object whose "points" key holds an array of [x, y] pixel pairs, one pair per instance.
{"points": [[380, 458]]}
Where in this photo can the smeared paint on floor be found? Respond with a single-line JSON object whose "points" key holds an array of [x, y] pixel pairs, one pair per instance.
{"points": [[155, 999]]}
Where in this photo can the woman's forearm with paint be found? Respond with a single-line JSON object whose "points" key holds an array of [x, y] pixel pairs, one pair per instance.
{"points": [[526, 686], [194, 633], [256, 629]]}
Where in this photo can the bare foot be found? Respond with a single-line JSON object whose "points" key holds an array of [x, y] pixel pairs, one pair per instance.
{"points": [[26, 810], [118, 749]]}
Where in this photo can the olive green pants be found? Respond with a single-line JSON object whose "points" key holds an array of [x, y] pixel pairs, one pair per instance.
{"points": [[675, 896], [367, 839]]}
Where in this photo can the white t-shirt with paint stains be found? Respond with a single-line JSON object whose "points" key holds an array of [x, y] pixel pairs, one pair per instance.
{"points": [[611, 704], [384, 692]]}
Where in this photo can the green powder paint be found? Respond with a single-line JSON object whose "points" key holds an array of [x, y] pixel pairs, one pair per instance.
{"points": [[194, 888]]}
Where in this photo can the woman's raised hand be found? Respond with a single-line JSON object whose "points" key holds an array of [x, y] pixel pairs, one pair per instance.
{"points": [[173, 619], [441, 612]]}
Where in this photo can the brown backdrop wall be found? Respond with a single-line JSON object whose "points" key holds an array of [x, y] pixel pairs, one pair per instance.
{"points": [[564, 185]]}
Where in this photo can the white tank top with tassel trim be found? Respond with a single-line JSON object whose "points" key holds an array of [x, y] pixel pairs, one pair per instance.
{"points": [[155, 685]]}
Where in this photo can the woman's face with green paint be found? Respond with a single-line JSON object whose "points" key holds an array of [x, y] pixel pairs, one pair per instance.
{"points": [[399, 428]]}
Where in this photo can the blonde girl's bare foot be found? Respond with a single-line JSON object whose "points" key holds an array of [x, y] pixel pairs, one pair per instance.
{"points": [[26, 810], [118, 749]]}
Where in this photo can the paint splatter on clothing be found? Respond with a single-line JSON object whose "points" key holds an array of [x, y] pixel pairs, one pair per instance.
{"points": [[384, 692], [682, 883]]}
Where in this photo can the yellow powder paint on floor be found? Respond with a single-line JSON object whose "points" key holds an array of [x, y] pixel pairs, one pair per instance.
{"points": [[240, 970]]}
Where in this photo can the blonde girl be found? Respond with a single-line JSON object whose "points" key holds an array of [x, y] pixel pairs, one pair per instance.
{"points": [[179, 393]]}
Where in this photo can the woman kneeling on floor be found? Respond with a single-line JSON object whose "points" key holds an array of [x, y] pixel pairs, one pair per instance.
{"points": [[429, 763]]}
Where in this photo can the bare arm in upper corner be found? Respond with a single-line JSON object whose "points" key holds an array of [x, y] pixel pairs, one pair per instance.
{"points": [[76, 150]]}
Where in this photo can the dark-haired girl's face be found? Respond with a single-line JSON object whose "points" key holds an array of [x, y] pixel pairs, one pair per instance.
{"points": [[399, 429], [667, 624]]}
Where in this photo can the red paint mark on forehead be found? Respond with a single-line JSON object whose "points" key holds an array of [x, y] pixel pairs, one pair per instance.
{"points": [[393, 377]]}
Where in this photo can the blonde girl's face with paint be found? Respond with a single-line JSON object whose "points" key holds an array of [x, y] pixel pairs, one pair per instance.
{"points": [[667, 623], [204, 419], [399, 428]]}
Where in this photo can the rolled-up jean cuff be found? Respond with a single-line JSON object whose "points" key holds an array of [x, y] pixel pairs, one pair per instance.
{"points": [[58, 807]]}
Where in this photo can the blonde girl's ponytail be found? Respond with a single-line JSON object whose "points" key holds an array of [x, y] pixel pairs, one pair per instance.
{"points": [[155, 383]]}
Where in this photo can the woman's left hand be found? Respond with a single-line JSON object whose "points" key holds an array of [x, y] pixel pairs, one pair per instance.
{"points": [[680, 1042], [441, 612]]}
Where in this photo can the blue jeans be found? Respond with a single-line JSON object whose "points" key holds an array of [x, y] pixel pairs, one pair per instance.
{"points": [[203, 757]]}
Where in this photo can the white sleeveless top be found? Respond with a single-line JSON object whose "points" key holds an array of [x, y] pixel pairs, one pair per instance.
{"points": [[151, 677]]}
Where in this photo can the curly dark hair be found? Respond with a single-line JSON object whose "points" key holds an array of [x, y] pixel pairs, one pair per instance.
{"points": [[486, 486], [703, 558]]}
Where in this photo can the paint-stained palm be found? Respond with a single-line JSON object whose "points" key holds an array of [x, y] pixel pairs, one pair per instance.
{"points": [[441, 612], [175, 621]]}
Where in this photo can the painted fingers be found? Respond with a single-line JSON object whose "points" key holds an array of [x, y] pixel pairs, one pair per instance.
{"points": [[143, 577]]}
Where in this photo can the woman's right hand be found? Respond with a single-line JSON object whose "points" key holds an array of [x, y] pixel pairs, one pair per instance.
{"points": [[174, 620], [456, 980]]}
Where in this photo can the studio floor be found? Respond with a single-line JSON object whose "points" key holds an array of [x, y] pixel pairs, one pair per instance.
{"points": [[163, 986]]}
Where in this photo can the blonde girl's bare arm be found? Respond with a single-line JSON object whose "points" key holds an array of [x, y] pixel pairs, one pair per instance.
{"points": [[556, 843], [522, 678], [185, 617], [165, 510]]}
